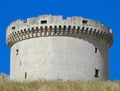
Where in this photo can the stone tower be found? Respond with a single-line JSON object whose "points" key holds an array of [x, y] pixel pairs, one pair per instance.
{"points": [[50, 47]]}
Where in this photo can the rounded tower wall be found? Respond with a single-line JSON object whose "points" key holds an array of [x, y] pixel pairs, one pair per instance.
{"points": [[48, 47], [53, 58]]}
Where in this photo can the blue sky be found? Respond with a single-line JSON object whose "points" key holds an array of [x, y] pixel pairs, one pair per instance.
{"points": [[105, 11]]}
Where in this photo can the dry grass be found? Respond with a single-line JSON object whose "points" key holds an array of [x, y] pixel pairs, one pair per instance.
{"points": [[60, 86]]}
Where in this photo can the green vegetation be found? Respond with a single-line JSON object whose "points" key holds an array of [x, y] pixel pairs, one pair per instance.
{"points": [[60, 86]]}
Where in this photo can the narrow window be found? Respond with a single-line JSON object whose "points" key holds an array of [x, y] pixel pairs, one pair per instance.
{"points": [[43, 21], [25, 75], [13, 27], [84, 21], [96, 73], [95, 50], [17, 52]]}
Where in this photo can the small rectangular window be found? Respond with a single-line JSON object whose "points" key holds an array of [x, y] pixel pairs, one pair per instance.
{"points": [[84, 21], [96, 73], [25, 75], [13, 27], [17, 52], [44, 22], [96, 50]]}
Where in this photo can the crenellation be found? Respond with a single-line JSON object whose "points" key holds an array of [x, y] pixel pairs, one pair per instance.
{"points": [[54, 20]]}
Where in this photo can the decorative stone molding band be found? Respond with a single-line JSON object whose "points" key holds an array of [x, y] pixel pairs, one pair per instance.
{"points": [[71, 31]]}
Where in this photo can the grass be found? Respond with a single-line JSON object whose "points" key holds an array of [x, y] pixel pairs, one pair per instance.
{"points": [[60, 86]]}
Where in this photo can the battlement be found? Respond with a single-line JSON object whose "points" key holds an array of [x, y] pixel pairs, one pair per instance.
{"points": [[48, 25]]}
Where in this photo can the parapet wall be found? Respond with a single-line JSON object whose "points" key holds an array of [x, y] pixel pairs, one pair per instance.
{"points": [[47, 25]]}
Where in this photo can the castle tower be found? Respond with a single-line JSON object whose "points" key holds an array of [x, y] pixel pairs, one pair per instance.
{"points": [[49, 47]]}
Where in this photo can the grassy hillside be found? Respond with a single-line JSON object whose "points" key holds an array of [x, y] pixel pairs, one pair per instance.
{"points": [[60, 86]]}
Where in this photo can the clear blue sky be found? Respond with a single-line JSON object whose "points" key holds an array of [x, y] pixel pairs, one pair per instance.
{"points": [[105, 11]]}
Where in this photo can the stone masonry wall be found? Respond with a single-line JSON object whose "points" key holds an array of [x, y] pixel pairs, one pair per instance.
{"points": [[50, 47]]}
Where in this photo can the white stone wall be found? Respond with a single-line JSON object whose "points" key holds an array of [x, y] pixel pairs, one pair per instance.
{"points": [[50, 47], [59, 57]]}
